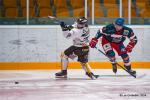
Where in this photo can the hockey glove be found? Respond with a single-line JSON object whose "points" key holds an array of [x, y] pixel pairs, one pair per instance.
{"points": [[129, 48], [62, 24], [64, 27], [93, 42]]}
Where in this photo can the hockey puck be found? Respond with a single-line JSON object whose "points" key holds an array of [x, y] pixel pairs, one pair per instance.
{"points": [[16, 82]]}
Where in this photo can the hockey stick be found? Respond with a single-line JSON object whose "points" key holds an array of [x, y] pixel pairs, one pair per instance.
{"points": [[53, 18], [117, 63], [57, 20]]}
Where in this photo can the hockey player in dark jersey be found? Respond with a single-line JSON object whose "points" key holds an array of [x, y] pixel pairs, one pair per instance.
{"points": [[113, 36]]}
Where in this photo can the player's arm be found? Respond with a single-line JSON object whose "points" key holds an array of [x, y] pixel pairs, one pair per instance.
{"points": [[67, 33], [133, 41], [86, 34], [94, 40]]}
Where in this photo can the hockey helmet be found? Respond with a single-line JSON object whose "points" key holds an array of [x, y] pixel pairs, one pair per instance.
{"points": [[82, 22], [119, 21]]}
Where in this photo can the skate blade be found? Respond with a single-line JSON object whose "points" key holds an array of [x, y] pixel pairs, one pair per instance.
{"points": [[93, 77], [90, 77], [96, 76], [65, 76]]}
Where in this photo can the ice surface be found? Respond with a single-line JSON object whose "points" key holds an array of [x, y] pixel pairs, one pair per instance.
{"points": [[42, 85]]}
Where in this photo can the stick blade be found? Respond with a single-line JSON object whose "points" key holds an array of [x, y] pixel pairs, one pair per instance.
{"points": [[51, 17]]}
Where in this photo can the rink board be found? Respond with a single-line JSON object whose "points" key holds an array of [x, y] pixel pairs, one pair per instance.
{"points": [[56, 65], [39, 47]]}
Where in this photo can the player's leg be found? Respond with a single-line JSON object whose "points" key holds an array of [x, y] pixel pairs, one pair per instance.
{"points": [[68, 53], [127, 63], [64, 65], [88, 70], [82, 54], [110, 53], [120, 48]]}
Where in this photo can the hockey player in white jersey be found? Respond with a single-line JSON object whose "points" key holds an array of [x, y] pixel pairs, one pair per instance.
{"points": [[79, 33]]}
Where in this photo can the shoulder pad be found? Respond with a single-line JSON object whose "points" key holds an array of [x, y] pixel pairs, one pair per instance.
{"points": [[110, 29], [110, 26], [127, 30]]}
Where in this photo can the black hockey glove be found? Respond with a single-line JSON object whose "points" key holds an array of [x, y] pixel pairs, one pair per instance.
{"points": [[62, 24], [64, 27]]}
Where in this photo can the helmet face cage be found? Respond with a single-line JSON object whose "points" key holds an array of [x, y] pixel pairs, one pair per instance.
{"points": [[81, 22]]}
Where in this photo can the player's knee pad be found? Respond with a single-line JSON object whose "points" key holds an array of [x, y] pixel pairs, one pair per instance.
{"points": [[62, 54], [125, 58], [63, 57], [111, 55]]}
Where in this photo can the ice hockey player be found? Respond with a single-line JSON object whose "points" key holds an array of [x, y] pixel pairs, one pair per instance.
{"points": [[79, 33], [113, 36]]}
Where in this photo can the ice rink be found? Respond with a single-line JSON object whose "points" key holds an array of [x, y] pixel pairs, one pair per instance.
{"points": [[42, 85]]}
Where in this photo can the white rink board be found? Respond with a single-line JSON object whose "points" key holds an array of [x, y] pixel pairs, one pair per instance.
{"points": [[27, 43]]}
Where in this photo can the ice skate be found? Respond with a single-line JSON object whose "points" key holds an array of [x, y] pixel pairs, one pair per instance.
{"points": [[61, 74], [114, 68], [92, 76]]}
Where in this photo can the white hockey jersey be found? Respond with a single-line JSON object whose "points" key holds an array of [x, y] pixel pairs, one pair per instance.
{"points": [[80, 36]]}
